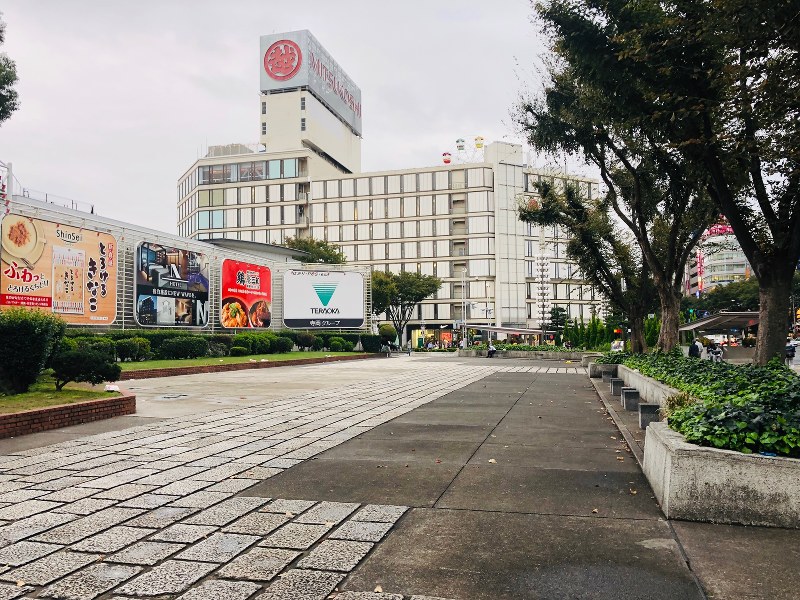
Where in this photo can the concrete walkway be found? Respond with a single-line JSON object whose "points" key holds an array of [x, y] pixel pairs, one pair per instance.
{"points": [[426, 477]]}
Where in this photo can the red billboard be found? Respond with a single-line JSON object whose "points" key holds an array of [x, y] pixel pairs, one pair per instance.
{"points": [[246, 295]]}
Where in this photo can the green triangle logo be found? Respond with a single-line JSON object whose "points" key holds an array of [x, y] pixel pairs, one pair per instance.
{"points": [[325, 291]]}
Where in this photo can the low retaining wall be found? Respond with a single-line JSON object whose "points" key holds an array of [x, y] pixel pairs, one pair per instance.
{"points": [[596, 370], [696, 483], [523, 354], [150, 373], [64, 415], [650, 390]]}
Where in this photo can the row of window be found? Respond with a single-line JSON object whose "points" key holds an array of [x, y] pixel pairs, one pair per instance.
{"points": [[574, 310], [257, 170], [555, 270], [403, 183], [302, 105]]}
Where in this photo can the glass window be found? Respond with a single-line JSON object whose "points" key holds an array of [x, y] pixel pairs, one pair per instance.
{"points": [[261, 194], [333, 212], [303, 124], [348, 209], [426, 250], [274, 193], [317, 189], [363, 252], [425, 205], [378, 185], [410, 206], [425, 228], [477, 202], [263, 108], [410, 182], [216, 173], [290, 167], [274, 169], [204, 198], [217, 197], [395, 231], [394, 208], [362, 186], [205, 219], [379, 231], [378, 251], [348, 233], [478, 246], [379, 209], [362, 231], [290, 215], [231, 196], [217, 219], [318, 213], [204, 175], [348, 188], [259, 170], [289, 192], [440, 180], [332, 188], [318, 233], [245, 195], [231, 217], [260, 217], [425, 182], [362, 210], [442, 227], [333, 234], [409, 229], [393, 184], [395, 251], [274, 215], [442, 204], [442, 248]]}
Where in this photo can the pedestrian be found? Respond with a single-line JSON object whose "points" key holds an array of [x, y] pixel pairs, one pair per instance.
{"points": [[408, 347], [715, 352], [696, 349], [463, 343], [492, 349], [790, 352]]}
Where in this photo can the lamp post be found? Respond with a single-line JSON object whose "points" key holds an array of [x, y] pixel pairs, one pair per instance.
{"points": [[464, 305]]}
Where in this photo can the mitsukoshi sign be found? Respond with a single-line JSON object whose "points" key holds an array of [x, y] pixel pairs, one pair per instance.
{"points": [[323, 299], [296, 59]]}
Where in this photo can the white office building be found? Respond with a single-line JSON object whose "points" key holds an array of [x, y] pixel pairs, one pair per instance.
{"points": [[455, 221]]}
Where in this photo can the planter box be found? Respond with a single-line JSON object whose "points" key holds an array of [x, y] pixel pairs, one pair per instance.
{"points": [[650, 390], [64, 415], [589, 358], [696, 483], [523, 354], [596, 370]]}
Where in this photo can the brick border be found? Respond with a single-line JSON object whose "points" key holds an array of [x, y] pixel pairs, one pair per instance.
{"points": [[64, 415], [172, 371]]}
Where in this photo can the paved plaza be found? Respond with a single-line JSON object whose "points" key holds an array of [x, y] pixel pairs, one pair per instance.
{"points": [[421, 477]]}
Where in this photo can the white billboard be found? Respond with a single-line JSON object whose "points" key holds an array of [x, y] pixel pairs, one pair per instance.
{"points": [[296, 59], [323, 299]]}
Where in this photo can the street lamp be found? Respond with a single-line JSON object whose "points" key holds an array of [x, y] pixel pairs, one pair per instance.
{"points": [[464, 305]]}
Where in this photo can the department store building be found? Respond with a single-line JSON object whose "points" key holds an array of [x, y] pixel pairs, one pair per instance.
{"points": [[455, 221]]}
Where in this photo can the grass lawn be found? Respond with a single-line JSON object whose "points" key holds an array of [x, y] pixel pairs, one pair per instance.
{"points": [[43, 393], [226, 360]]}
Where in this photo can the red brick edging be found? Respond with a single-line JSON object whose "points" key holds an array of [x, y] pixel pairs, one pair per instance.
{"points": [[148, 373], [64, 415]]}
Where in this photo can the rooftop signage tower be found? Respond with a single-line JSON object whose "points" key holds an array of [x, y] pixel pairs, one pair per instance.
{"points": [[308, 101]]}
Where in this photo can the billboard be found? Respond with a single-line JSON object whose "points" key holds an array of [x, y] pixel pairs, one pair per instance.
{"points": [[323, 299], [246, 295], [70, 271], [171, 286], [296, 59]]}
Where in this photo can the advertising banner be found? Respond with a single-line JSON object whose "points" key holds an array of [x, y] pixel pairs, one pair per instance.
{"points": [[70, 271], [323, 299], [171, 286], [246, 295]]}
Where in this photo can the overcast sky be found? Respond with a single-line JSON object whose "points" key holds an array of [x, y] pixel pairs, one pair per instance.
{"points": [[118, 98]]}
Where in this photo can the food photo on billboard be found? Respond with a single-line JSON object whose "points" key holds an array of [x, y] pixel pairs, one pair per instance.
{"points": [[246, 295]]}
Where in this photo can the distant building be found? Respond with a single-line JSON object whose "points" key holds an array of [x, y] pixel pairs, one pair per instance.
{"points": [[455, 221], [717, 260]]}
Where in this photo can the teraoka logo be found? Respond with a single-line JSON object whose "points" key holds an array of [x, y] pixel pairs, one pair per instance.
{"points": [[325, 293]]}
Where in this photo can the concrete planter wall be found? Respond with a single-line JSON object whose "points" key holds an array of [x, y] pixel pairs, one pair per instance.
{"points": [[522, 354], [650, 390], [720, 486]]}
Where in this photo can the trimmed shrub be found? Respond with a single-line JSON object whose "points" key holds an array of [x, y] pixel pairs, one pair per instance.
{"points": [[97, 343], [67, 344], [221, 338], [28, 341], [305, 339], [184, 347], [239, 351], [347, 346], [335, 344], [133, 349], [318, 343], [387, 333], [217, 350], [281, 345], [83, 365], [262, 343], [371, 343]]}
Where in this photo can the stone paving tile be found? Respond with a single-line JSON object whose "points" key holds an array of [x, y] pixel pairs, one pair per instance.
{"points": [[125, 492], [47, 476], [367, 596], [233, 485], [257, 523], [328, 512], [288, 506], [282, 463], [296, 536], [110, 468], [219, 547], [170, 577], [85, 506], [209, 461], [21, 495], [359, 531], [380, 513], [336, 555], [148, 501], [69, 494], [258, 564], [10, 591], [49, 568], [89, 583], [112, 540], [117, 479], [10, 486], [31, 526], [216, 589], [24, 552], [221, 472], [226, 511], [187, 534], [184, 487], [300, 584], [171, 475], [426, 598], [202, 499], [261, 472], [162, 517], [63, 483], [89, 525], [146, 553], [27, 508]]}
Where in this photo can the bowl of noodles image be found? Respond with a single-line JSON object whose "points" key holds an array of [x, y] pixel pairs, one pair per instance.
{"points": [[260, 314], [234, 313]]}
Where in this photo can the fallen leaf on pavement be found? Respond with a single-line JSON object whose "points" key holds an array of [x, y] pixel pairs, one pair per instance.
{"points": [[633, 492], [378, 589], [594, 510], [491, 460]]}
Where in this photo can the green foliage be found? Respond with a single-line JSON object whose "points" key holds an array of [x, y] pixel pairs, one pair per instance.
{"points": [[239, 351], [281, 345], [8, 77], [371, 343], [335, 345], [83, 365], [652, 327], [748, 408], [398, 294], [613, 358], [28, 340], [190, 346], [133, 349], [98, 343], [318, 343], [221, 338], [305, 339], [319, 251], [387, 332]]}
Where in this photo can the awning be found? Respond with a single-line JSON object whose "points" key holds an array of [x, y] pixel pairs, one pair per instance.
{"points": [[723, 322]]}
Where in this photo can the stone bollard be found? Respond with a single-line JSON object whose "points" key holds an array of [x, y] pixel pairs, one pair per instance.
{"points": [[648, 413], [616, 386], [622, 394], [606, 376], [630, 398]]}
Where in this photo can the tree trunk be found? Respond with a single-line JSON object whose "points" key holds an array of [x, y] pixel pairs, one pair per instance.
{"points": [[774, 294], [638, 343], [670, 319]]}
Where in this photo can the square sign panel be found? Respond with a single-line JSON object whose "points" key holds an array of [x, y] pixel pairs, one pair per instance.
{"points": [[323, 299]]}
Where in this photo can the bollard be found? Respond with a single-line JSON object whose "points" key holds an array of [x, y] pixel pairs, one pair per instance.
{"points": [[616, 386], [648, 413], [630, 398]]}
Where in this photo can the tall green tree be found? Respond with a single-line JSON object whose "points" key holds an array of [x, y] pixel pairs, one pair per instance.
{"points": [[319, 251], [716, 81], [606, 259], [9, 100], [398, 295]]}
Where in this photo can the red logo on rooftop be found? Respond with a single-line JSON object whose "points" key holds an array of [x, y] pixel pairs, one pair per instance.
{"points": [[282, 60]]}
